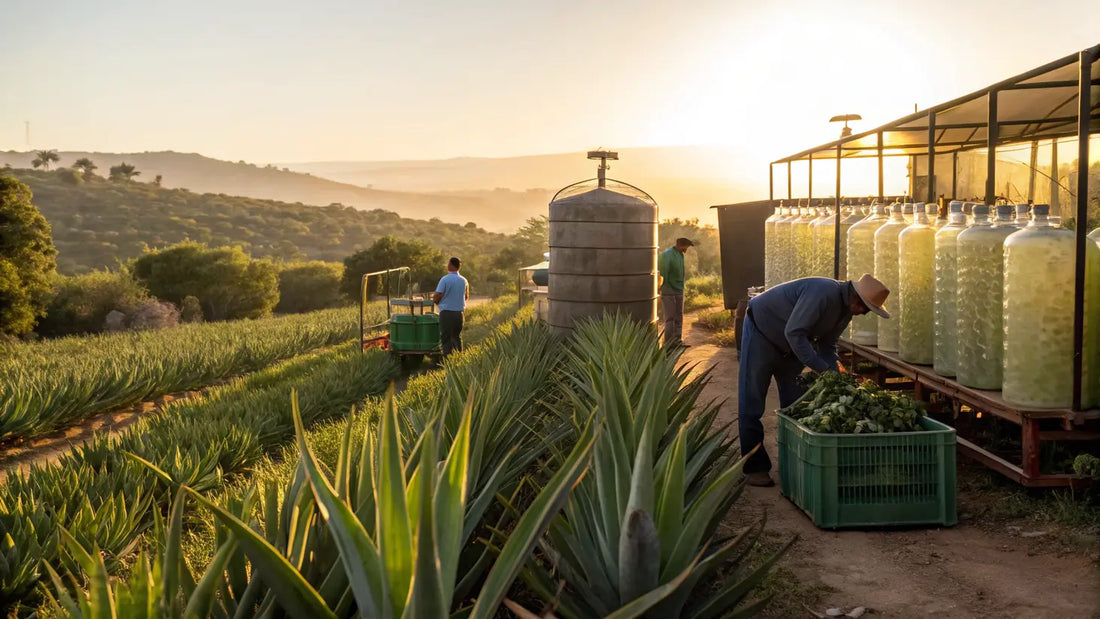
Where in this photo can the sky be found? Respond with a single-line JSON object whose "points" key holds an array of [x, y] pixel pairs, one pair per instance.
{"points": [[276, 81]]}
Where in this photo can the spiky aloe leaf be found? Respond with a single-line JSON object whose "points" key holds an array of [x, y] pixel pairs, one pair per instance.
{"points": [[640, 605], [201, 603], [358, 554], [288, 585], [101, 600], [531, 525], [426, 593], [670, 497], [724, 602], [450, 503], [639, 556], [393, 529]]}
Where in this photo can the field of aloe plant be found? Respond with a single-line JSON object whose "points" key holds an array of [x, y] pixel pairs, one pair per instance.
{"points": [[107, 500], [48, 385], [582, 479]]}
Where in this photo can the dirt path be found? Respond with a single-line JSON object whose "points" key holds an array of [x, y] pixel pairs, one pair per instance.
{"points": [[963, 571]]}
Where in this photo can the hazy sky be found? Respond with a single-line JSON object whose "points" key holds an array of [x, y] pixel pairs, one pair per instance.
{"points": [[277, 81]]}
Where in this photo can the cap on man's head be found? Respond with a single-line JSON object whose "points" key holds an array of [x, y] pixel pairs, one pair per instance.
{"points": [[684, 242], [454, 262]]}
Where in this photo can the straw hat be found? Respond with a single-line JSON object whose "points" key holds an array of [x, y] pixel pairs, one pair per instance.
{"points": [[873, 294]]}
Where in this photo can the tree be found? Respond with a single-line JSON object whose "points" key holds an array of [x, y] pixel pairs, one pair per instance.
{"points": [[81, 303], [43, 158], [27, 259], [86, 166], [226, 281], [426, 264], [308, 286], [123, 172], [156, 181]]}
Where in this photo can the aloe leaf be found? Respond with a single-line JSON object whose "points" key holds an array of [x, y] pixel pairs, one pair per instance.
{"points": [[101, 599], [670, 497], [357, 552], [642, 604], [639, 556], [173, 554], [287, 584], [426, 595], [531, 525], [450, 503], [393, 531], [202, 600], [66, 602]]}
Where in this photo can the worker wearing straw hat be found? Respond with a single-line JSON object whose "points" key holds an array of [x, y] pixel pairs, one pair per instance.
{"points": [[789, 327]]}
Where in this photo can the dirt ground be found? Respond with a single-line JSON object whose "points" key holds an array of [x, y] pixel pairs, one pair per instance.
{"points": [[973, 569]]}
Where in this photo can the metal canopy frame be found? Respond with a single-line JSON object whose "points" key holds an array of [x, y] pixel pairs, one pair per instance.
{"points": [[1056, 100]]}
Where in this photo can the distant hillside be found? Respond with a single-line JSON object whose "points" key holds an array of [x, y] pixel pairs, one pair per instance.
{"points": [[97, 224], [498, 211], [684, 180]]}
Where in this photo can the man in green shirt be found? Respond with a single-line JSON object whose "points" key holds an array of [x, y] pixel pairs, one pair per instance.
{"points": [[670, 266]]}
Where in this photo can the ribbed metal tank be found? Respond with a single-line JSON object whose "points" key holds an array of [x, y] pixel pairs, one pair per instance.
{"points": [[603, 253]]}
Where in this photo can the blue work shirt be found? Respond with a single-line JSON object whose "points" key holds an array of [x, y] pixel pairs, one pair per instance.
{"points": [[805, 317], [453, 287]]}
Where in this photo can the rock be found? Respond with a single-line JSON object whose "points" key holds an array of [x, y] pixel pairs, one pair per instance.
{"points": [[115, 321], [1034, 533], [856, 612], [834, 612]]}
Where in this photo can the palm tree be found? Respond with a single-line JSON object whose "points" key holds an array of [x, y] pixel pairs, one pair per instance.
{"points": [[86, 166], [44, 157], [123, 172]]}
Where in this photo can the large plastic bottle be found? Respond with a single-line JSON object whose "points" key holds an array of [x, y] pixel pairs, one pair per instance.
{"points": [[1095, 235], [824, 230], [861, 259], [917, 274], [851, 218], [907, 210], [804, 243], [886, 270], [784, 246], [770, 246], [1023, 215], [1038, 323], [945, 349], [980, 294]]}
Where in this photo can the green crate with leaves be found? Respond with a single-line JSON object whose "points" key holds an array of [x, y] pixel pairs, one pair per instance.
{"points": [[853, 455]]}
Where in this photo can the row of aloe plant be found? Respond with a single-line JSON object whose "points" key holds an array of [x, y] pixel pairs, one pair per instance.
{"points": [[106, 500], [429, 512], [48, 385]]}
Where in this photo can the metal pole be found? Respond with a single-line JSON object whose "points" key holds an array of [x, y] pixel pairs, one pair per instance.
{"points": [[789, 195], [1033, 163], [1084, 109], [991, 156], [931, 156], [362, 302], [955, 175], [771, 182], [881, 194], [810, 189], [836, 220]]}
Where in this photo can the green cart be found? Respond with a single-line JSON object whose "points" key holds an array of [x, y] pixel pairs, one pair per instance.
{"points": [[411, 329]]}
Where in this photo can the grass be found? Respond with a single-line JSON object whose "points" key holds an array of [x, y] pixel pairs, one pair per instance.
{"points": [[715, 319], [726, 338]]}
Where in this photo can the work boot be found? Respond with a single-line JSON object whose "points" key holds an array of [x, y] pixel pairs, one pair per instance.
{"points": [[763, 480]]}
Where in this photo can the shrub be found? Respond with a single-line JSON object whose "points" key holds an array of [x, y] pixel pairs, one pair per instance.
{"points": [[715, 319], [81, 303], [426, 265], [153, 314], [228, 284], [309, 286]]}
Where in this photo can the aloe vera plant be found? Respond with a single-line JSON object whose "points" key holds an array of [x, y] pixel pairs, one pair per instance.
{"points": [[637, 535]]}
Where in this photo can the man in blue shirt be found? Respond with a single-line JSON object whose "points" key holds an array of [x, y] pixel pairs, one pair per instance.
{"points": [[450, 296], [789, 327], [670, 266]]}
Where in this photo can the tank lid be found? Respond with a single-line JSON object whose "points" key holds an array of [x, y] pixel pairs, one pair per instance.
{"points": [[602, 189]]}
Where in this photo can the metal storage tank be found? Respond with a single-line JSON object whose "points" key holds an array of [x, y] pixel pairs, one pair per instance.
{"points": [[603, 251]]}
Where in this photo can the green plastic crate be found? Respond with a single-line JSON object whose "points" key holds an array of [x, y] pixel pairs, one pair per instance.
{"points": [[869, 480], [414, 332]]}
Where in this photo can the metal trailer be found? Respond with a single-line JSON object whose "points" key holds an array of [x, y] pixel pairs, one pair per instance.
{"points": [[412, 336], [1060, 99]]}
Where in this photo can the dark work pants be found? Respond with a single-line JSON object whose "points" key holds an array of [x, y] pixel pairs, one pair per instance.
{"points": [[760, 361], [450, 331]]}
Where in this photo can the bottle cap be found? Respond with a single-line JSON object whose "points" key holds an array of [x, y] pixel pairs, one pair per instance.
{"points": [[956, 206], [1041, 210], [981, 209]]}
